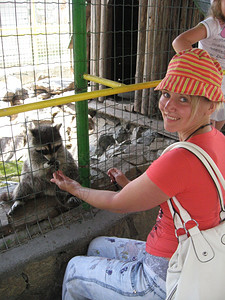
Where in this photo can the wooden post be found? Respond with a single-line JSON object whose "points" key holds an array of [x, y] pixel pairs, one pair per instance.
{"points": [[109, 36], [142, 17], [95, 32], [103, 44], [88, 25], [149, 51]]}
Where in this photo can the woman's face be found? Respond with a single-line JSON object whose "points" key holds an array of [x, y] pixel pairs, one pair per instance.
{"points": [[176, 110], [177, 113]]}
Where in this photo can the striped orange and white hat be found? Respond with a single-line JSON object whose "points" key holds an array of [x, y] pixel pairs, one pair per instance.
{"points": [[194, 72]]}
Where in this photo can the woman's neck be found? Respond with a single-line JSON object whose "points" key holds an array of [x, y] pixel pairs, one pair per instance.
{"points": [[199, 130]]}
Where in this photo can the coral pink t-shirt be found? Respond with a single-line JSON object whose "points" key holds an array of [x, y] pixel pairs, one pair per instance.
{"points": [[180, 173]]}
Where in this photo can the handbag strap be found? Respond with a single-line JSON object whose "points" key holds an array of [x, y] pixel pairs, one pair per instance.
{"points": [[213, 170]]}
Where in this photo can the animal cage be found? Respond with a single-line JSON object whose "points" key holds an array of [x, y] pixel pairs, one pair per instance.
{"points": [[127, 42]]}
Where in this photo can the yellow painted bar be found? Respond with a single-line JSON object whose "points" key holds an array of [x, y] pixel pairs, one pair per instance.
{"points": [[116, 88], [102, 81], [78, 97]]}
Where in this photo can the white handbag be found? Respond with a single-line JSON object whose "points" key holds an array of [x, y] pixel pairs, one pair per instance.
{"points": [[197, 268]]}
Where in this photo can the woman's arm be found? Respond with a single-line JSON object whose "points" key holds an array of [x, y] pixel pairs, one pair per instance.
{"points": [[186, 39], [138, 195]]}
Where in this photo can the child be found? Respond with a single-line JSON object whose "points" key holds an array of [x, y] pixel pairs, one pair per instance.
{"points": [[210, 34]]}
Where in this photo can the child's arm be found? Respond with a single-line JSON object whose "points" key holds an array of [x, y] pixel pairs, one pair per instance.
{"points": [[186, 39]]}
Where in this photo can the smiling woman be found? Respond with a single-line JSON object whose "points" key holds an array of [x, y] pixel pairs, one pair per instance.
{"points": [[189, 97], [116, 268], [183, 113]]}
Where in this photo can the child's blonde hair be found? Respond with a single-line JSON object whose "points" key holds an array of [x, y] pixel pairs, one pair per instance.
{"points": [[216, 12]]}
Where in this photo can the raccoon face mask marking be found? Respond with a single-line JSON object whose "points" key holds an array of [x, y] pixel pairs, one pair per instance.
{"points": [[49, 152]]}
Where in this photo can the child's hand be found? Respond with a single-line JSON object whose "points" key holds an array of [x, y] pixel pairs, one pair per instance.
{"points": [[118, 177]]}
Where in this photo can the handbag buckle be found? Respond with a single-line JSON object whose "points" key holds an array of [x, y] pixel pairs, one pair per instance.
{"points": [[180, 231], [184, 230], [191, 220]]}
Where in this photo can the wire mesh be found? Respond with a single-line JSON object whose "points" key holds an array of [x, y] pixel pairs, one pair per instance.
{"points": [[128, 41]]}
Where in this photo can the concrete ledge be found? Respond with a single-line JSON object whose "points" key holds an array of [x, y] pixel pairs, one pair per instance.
{"points": [[35, 270]]}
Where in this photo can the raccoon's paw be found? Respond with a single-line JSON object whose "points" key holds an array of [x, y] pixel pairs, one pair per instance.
{"points": [[73, 201], [4, 197], [15, 206]]}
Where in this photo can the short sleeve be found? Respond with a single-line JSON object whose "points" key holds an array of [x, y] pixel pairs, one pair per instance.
{"points": [[171, 172], [212, 26]]}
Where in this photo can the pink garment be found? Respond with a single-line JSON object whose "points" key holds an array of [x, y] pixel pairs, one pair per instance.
{"points": [[179, 173]]}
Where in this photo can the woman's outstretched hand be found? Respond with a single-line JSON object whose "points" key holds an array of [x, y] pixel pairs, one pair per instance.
{"points": [[117, 176], [65, 183]]}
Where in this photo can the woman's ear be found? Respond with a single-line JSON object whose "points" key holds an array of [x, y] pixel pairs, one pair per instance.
{"points": [[212, 107]]}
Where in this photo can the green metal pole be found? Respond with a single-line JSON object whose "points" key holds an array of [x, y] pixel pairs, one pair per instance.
{"points": [[80, 67]]}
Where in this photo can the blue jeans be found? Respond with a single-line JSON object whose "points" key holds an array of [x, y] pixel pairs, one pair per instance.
{"points": [[115, 269]]}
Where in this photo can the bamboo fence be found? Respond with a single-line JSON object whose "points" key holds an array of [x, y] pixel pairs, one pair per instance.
{"points": [[159, 22]]}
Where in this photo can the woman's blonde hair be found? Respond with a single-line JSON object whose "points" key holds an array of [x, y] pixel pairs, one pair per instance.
{"points": [[195, 102]]}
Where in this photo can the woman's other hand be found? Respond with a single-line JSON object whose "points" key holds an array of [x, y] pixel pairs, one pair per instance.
{"points": [[117, 176]]}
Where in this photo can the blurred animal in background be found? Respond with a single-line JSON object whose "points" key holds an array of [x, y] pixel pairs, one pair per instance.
{"points": [[46, 154]]}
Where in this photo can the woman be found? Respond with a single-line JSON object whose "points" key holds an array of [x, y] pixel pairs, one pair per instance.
{"points": [[128, 269]]}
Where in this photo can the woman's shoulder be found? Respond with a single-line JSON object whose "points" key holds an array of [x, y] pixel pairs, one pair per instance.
{"points": [[173, 158], [213, 141], [211, 138], [170, 171]]}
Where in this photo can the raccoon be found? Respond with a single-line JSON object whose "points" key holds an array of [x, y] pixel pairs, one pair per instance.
{"points": [[46, 154]]}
